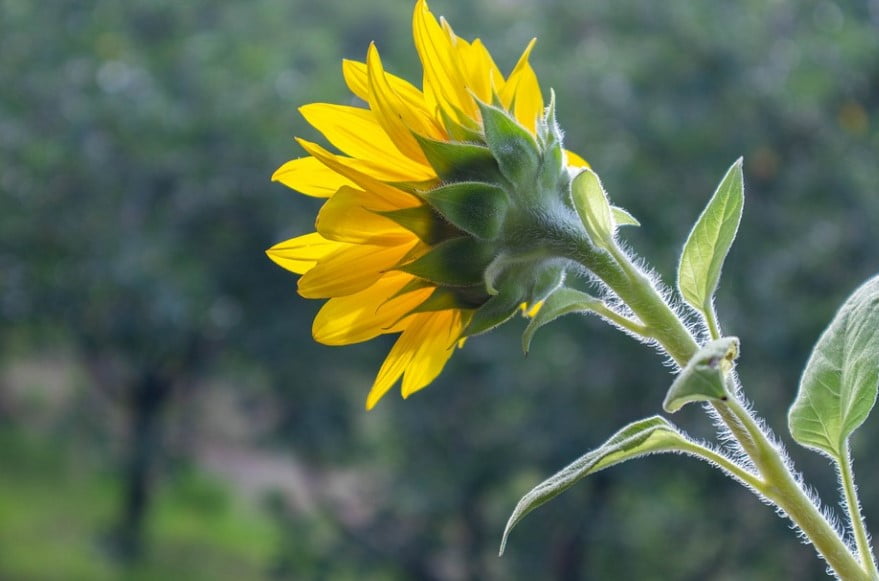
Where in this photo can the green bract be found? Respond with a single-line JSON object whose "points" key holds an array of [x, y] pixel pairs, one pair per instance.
{"points": [[499, 218], [705, 376]]}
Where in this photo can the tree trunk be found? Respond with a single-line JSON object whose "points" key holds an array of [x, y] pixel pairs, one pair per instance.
{"points": [[146, 402]]}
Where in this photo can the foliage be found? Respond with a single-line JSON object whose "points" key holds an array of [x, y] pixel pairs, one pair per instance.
{"points": [[136, 143]]}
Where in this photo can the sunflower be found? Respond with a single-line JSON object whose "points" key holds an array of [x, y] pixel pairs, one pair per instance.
{"points": [[411, 238]]}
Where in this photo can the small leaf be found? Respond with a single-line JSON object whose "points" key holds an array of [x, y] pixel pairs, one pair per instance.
{"points": [[456, 161], [455, 262], [704, 377], [710, 240], [591, 203], [424, 222], [497, 310], [839, 385], [561, 302], [622, 217], [474, 207], [640, 438], [513, 146]]}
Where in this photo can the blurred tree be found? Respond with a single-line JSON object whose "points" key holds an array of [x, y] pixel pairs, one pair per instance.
{"points": [[136, 141]]}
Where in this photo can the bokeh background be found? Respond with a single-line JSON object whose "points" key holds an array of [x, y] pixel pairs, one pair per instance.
{"points": [[164, 413]]}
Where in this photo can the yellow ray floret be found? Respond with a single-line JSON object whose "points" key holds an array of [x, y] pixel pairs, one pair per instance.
{"points": [[365, 238]]}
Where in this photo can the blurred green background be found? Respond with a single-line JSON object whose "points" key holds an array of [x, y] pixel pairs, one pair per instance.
{"points": [[164, 412]]}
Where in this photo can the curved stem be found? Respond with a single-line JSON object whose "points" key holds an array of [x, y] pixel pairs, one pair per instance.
{"points": [[783, 490], [847, 477], [778, 483]]}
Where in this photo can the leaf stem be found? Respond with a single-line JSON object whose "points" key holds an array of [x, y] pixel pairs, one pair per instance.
{"points": [[635, 327], [725, 463], [711, 320], [856, 518], [782, 489], [777, 482]]}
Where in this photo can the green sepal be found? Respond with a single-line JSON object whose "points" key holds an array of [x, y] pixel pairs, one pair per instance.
{"points": [[424, 222], [475, 207], [592, 205], [562, 302], [622, 217], [513, 146], [839, 385], [455, 262], [411, 286], [548, 131], [546, 281], [497, 310], [461, 132], [704, 378], [640, 438], [445, 298], [456, 161], [553, 172]]}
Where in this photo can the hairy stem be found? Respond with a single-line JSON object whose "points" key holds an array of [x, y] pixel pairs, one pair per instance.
{"points": [[847, 477], [777, 482]]}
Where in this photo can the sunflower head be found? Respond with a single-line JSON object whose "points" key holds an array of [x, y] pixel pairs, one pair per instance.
{"points": [[441, 204]]}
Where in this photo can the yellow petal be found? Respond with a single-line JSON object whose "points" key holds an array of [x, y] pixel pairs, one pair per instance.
{"points": [[357, 79], [398, 119], [367, 314], [522, 91], [392, 368], [302, 253], [350, 169], [356, 132], [350, 269], [439, 334], [444, 83], [419, 354], [575, 160], [484, 78], [350, 216], [310, 177]]}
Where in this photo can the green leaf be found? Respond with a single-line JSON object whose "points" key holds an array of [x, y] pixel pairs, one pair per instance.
{"points": [[474, 207], [561, 302], [591, 203], [640, 438], [456, 161], [513, 146], [704, 377], [839, 385], [424, 222], [496, 310], [622, 217], [710, 240], [455, 262]]}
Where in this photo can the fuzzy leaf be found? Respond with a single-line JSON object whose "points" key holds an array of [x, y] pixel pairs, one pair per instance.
{"points": [[459, 161], [513, 146], [497, 310], [640, 438], [622, 217], [455, 262], [561, 302], [591, 202], [474, 207], [710, 240], [704, 377], [839, 385]]}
